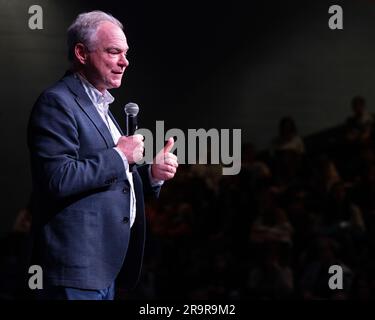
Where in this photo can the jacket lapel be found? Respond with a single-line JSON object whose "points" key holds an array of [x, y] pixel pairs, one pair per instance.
{"points": [[87, 106]]}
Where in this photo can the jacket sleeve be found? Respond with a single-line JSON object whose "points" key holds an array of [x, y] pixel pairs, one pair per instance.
{"points": [[148, 189], [53, 140]]}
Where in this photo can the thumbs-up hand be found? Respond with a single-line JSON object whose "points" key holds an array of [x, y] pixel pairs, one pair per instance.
{"points": [[165, 163]]}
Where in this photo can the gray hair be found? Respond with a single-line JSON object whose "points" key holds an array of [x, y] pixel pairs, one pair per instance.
{"points": [[83, 29]]}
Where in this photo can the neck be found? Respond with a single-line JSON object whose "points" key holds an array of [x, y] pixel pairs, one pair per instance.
{"points": [[84, 75]]}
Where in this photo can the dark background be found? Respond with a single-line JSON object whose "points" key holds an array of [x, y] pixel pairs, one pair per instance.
{"points": [[194, 64]]}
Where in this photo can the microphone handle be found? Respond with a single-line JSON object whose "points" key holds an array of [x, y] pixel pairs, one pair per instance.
{"points": [[131, 124], [131, 127]]}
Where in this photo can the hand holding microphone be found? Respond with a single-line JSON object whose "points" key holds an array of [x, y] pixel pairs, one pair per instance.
{"points": [[132, 147], [132, 144]]}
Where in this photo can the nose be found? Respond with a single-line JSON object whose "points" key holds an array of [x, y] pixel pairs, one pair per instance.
{"points": [[123, 62]]}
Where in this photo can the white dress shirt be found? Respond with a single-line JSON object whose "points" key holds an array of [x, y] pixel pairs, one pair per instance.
{"points": [[101, 103]]}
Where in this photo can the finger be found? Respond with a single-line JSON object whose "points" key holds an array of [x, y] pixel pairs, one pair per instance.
{"points": [[170, 156], [170, 169], [139, 156], [171, 162], [168, 147], [138, 137], [167, 175]]}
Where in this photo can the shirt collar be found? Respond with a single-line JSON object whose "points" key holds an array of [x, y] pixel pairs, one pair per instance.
{"points": [[94, 94]]}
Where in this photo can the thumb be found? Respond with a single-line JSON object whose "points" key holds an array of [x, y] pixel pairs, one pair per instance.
{"points": [[169, 145]]}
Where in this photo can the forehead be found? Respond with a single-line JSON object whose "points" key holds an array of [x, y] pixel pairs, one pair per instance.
{"points": [[109, 34]]}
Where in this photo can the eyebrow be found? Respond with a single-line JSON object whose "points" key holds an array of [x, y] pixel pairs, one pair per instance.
{"points": [[117, 49]]}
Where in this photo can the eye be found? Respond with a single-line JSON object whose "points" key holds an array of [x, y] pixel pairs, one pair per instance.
{"points": [[113, 51]]}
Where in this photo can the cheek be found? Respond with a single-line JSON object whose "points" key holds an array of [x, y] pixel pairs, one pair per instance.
{"points": [[104, 65], [111, 63], [108, 66]]}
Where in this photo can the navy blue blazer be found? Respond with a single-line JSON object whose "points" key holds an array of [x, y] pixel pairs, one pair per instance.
{"points": [[80, 199]]}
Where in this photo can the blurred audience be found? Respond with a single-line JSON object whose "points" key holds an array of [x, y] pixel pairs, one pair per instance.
{"points": [[360, 123], [288, 138]]}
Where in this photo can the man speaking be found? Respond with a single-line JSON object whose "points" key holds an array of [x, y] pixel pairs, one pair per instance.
{"points": [[88, 193]]}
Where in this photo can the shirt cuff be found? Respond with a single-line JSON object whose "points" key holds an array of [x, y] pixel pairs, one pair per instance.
{"points": [[123, 157], [154, 182]]}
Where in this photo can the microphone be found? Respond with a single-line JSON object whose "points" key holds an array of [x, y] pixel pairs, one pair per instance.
{"points": [[131, 110]]}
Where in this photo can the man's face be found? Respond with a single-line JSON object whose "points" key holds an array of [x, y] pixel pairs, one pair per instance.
{"points": [[107, 62]]}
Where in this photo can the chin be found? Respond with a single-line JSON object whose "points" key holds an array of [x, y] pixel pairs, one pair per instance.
{"points": [[115, 84]]}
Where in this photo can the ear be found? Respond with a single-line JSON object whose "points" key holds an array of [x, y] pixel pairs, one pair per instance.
{"points": [[80, 52]]}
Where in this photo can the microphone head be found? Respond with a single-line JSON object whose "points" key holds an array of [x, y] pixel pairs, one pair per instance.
{"points": [[131, 109]]}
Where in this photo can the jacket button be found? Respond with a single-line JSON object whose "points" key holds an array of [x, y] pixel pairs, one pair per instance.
{"points": [[125, 220], [125, 190]]}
